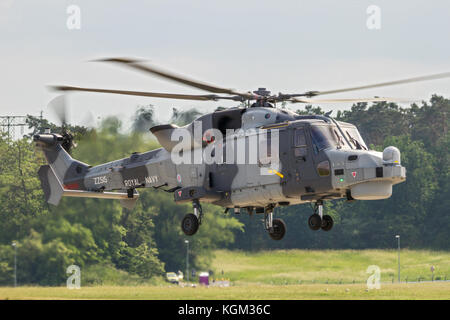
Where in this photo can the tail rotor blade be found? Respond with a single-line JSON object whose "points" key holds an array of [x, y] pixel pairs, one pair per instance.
{"points": [[59, 107]]}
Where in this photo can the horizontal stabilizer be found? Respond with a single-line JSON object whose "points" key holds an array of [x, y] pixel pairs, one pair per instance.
{"points": [[53, 190]]}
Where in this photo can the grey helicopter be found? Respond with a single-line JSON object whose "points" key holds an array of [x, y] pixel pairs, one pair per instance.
{"points": [[307, 158]]}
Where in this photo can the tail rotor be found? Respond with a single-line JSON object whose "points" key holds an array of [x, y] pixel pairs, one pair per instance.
{"points": [[60, 109]]}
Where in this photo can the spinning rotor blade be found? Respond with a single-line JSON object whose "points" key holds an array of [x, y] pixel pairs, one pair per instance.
{"points": [[177, 78], [376, 99], [204, 97], [59, 107], [377, 85]]}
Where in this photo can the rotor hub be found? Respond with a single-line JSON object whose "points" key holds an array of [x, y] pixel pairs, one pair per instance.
{"points": [[262, 92]]}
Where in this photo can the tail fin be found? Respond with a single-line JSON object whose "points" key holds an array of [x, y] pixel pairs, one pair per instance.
{"points": [[64, 167], [53, 189]]}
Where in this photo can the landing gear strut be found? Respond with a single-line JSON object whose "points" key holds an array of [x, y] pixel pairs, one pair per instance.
{"points": [[275, 227], [191, 222], [319, 221]]}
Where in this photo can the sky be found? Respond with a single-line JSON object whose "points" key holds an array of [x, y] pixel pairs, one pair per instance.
{"points": [[285, 46]]}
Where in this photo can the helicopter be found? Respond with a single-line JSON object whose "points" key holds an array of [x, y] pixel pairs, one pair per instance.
{"points": [[307, 158]]}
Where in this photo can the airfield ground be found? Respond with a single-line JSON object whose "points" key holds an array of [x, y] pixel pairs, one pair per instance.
{"points": [[329, 266], [424, 290], [286, 274]]}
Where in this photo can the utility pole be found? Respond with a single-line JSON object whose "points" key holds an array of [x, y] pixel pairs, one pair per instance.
{"points": [[398, 240], [40, 122], [187, 259]]}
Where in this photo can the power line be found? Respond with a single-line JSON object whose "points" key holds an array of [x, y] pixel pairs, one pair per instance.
{"points": [[8, 124]]}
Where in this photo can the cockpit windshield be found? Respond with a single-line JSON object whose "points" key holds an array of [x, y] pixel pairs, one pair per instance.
{"points": [[326, 136], [323, 137], [354, 138]]}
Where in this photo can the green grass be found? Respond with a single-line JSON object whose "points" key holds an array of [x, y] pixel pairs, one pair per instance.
{"points": [[281, 274], [435, 290], [332, 266]]}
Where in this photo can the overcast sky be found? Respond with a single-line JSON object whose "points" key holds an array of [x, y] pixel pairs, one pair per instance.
{"points": [[287, 46]]}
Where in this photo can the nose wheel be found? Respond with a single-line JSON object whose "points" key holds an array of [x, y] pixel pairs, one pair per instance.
{"points": [[319, 221], [327, 223], [314, 222], [192, 221]]}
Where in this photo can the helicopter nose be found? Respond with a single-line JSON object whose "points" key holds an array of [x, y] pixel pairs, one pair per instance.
{"points": [[391, 156]]}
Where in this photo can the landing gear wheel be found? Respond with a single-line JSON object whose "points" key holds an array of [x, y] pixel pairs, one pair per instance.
{"points": [[190, 224], [314, 222], [278, 229], [327, 223]]}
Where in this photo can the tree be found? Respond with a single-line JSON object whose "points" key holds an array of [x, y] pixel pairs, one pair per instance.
{"points": [[143, 119], [310, 110], [181, 118], [217, 230], [377, 122]]}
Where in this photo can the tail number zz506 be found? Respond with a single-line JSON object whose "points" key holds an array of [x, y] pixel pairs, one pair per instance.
{"points": [[100, 180]]}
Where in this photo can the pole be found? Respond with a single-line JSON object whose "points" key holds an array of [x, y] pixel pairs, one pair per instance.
{"points": [[187, 259], [40, 123], [398, 241], [15, 263]]}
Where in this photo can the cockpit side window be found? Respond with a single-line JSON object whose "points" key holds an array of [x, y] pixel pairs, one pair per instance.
{"points": [[322, 138], [300, 143], [300, 139]]}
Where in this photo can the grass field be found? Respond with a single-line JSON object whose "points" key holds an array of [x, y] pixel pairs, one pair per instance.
{"points": [[436, 290], [285, 274], [332, 266]]}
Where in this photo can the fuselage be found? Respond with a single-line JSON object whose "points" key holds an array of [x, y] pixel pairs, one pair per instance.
{"points": [[318, 159]]}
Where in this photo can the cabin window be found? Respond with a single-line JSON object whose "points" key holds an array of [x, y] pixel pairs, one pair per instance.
{"points": [[265, 149]]}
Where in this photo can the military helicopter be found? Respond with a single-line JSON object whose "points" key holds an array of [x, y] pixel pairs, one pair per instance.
{"points": [[319, 158]]}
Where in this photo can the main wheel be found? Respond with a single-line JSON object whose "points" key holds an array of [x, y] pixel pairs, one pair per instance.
{"points": [[314, 222], [327, 223], [189, 225], [278, 229]]}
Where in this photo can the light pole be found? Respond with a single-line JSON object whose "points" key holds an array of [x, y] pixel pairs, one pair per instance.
{"points": [[187, 259], [14, 244], [398, 240]]}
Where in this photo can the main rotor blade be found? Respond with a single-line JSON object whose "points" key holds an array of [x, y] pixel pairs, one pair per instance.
{"points": [[376, 99], [177, 78], [205, 97], [381, 84]]}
